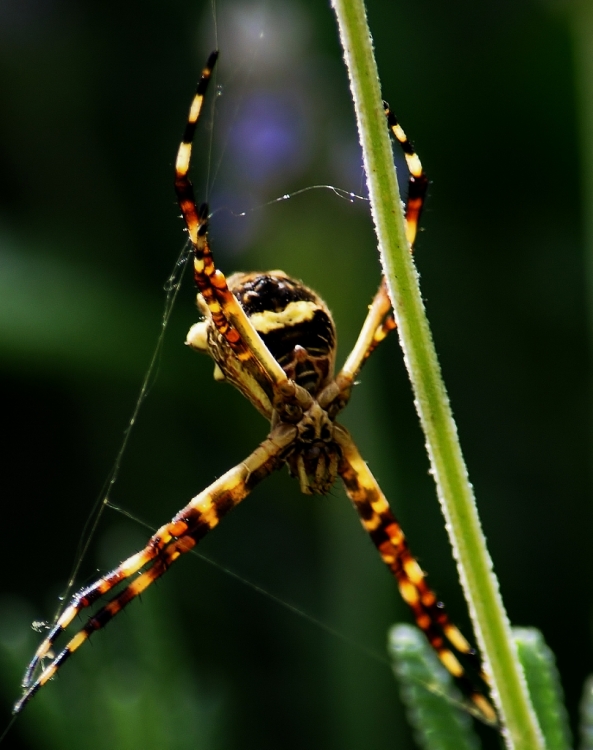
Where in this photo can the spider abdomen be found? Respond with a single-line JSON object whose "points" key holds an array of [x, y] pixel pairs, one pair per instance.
{"points": [[294, 323]]}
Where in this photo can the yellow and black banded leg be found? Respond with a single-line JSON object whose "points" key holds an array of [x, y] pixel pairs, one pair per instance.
{"points": [[417, 182], [206, 276], [387, 535], [381, 332], [378, 309], [192, 523], [379, 321], [377, 325], [228, 316]]}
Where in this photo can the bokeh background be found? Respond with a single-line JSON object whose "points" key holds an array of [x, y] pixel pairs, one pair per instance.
{"points": [[93, 103]]}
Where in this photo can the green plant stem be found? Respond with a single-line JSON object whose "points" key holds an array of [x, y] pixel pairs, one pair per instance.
{"points": [[454, 490]]}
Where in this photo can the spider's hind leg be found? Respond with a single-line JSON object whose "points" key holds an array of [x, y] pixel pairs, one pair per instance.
{"points": [[388, 537], [202, 514]]}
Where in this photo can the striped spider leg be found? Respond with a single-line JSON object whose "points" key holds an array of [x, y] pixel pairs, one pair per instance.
{"points": [[387, 535], [364, 491], [274, 339], [184, 531], [227, 332], [237, 348]]}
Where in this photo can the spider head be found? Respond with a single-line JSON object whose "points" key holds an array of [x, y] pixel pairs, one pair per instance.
{"points": [[316, 455]]}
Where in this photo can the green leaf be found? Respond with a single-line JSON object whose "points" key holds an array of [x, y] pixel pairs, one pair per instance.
{"points": [[432, 701], [587, 715], [544, 687], [143, 694]]}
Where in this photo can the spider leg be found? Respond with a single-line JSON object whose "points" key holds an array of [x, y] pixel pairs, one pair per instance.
{"points": [[377, 325], [228, 316], [417, 182], [387, 535], [200, 515], [379, 321], [381, 334], [371, 334]]}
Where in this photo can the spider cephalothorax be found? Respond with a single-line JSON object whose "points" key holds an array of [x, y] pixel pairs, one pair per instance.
{"points": [[274, 339], [316, 454]]}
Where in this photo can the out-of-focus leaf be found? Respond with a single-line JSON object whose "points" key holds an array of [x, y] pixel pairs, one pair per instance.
{"points": [[428, 692], [587, 715], [543, 682], [124, 693]]}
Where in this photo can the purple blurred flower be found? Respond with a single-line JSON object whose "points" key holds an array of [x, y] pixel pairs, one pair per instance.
{"points": [[269, 143]]}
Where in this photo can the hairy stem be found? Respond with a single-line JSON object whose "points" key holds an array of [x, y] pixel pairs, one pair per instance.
{"points": [[454, 489]]}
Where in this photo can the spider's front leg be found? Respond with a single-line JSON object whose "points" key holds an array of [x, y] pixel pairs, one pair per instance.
{"points": [[378, 323], [417, 180], [227, 315], [380, 319], [388, 537], [192, 523]]}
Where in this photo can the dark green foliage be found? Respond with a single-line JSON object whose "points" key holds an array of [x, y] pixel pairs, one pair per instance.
{"points": [[543, 682], [127, 692], [587, 715], [431, 699]]}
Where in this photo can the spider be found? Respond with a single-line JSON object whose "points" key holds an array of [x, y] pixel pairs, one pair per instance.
{"points": [[274, 339]]}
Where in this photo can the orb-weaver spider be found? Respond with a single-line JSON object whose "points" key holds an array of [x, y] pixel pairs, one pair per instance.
{"points": [[274, 339]]}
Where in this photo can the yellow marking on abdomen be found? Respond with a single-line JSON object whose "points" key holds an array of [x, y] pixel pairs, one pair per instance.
{"points": [[177, 528], [293, 313], [211, 518]]}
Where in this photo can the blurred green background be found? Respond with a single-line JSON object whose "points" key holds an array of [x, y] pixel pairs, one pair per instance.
{"points": [[94, 99]]}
